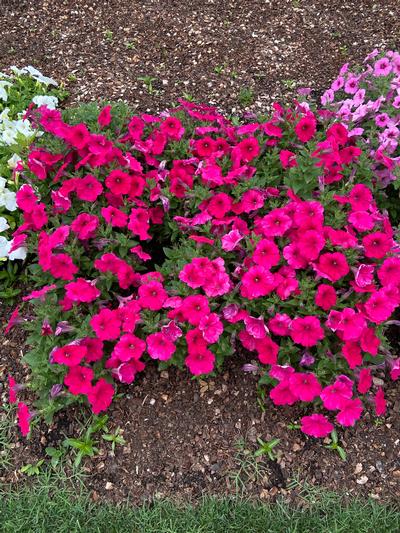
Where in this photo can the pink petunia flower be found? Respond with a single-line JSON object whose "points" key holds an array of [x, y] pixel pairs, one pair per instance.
{"points": [[316, 425], [24, 417], [159, 346], [306, 331], [101, 396], [304, 386], [350, 412], [79, 380]]}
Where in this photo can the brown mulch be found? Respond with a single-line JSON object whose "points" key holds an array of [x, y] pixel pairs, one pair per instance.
{"points": [[101, 49], [185, 438]]}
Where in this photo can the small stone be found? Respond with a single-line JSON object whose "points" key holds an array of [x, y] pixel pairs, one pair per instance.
{"points": [[358, 468], [109, 485], [362, 480]]}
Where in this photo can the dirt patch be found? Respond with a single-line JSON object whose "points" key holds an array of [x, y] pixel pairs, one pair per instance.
{"points": [[211, 50]]}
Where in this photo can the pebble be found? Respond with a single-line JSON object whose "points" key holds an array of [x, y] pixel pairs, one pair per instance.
{"points": [[362, 480]]}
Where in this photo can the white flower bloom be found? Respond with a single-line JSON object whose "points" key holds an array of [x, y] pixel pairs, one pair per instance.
{"points": [[3, 93], [5, 246], [8, 200], [35, 73], [3, 224], [3, 183], [24, 127], [13, 161], [50, 101], [9, 137], [4, 114], [18, 71], [19, 253]]}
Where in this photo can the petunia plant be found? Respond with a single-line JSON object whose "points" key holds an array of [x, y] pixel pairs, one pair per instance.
{"points": [[184, 238]]}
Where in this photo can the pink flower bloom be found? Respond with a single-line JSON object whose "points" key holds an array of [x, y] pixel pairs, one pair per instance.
{"points": [[172, 128], [282, 394], [361, 220], [139, 223], [85, 226], [360, 197], [200, 362], [369, 341], [325, 297], [311, 243], [382, 67], [231, 240], [194, 308], [316, 426], [380, 402], [101, 396], [257, 282], [115, 217], [332, 266], [364, 275], [389, 271], [364, 381], [280, 324], [79, 380], [267, 351], [247, 149], [26, 198], [306, 331], [378, 307], [129, 347], [304, 386], [62, 267], [12, 390], [333, 396], [352, 353], [106, 324], [212, 327], [119, 182], [351, 324], [88, 188], [256, 327], [350, 412], [152, 295], [252, 200], [24, 417], [94, 349], [276, 223], [69, 355], [81, 290], [377, 244], [219, 205], [39, 294], [287, 158], [266, 253], [306, 127], [104, 118], [159, 346]]}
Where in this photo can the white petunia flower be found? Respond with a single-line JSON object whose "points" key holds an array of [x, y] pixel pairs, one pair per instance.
{"points": [[19, 253], [13, 161], [3, 183], [8, 200], [5, 246], [35, 73], [50, 101], [3, 224]]}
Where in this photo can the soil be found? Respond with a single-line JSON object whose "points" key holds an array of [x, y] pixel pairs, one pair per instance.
{"points": [[211, 49], [186, 438]]}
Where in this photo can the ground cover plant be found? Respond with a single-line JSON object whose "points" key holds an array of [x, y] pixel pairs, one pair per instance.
{"points": [[185, 236]]}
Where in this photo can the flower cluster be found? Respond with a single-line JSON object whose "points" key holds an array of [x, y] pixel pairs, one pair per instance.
{"points": [[19, 91], [183, 238], [368, 101]]}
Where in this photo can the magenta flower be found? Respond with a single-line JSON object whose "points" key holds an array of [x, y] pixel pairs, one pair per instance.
{"points": [[316, 426]]}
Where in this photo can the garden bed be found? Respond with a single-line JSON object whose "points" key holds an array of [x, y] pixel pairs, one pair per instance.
{"points": [[187, 438]]}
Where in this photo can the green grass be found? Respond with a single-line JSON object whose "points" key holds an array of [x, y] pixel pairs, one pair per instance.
{"points": [[52, 504]]}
